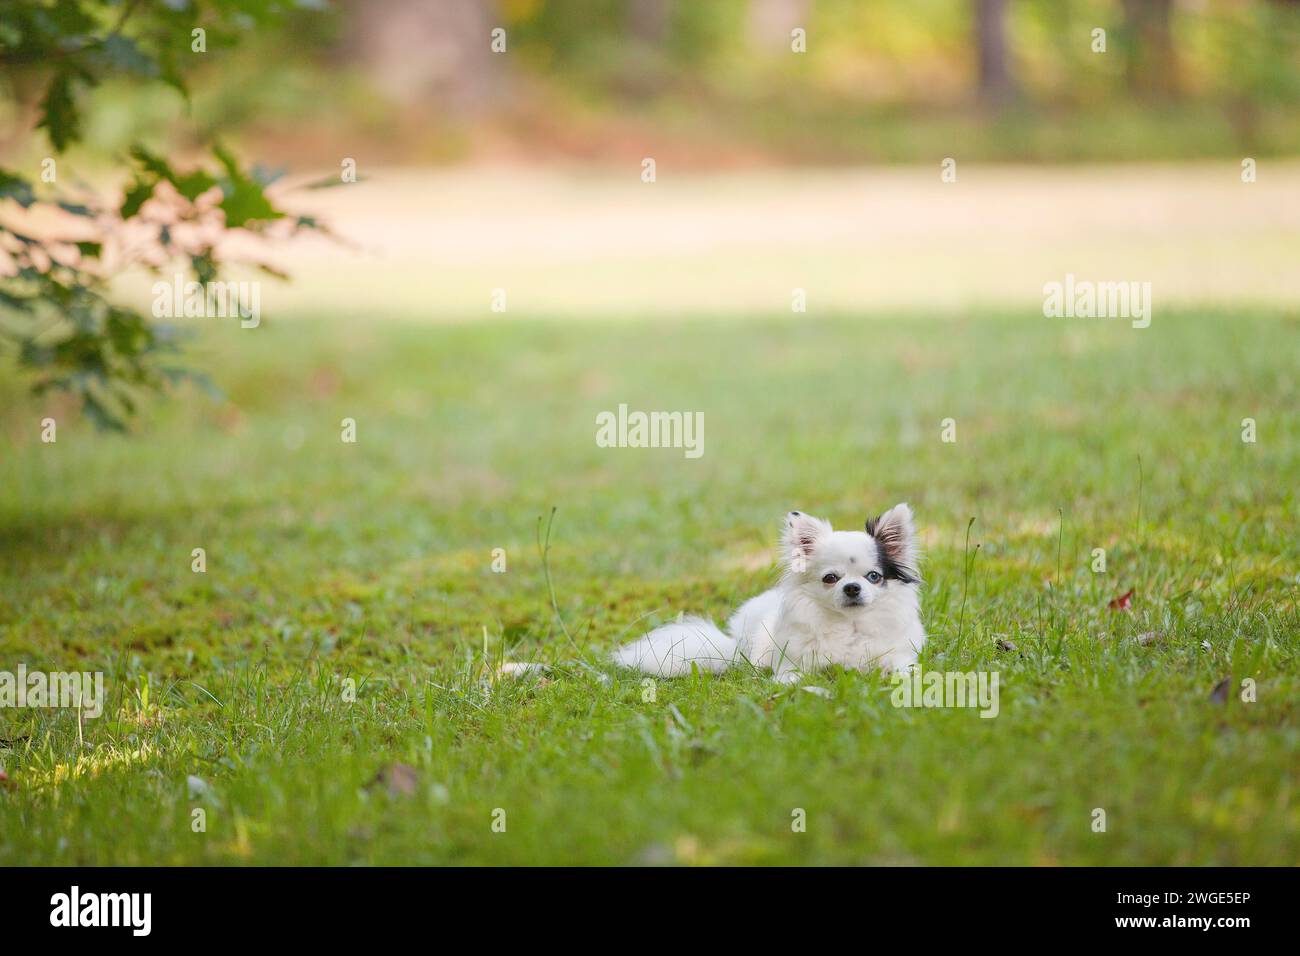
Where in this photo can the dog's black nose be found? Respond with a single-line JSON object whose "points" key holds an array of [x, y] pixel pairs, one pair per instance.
{"points": [[853, 589]]}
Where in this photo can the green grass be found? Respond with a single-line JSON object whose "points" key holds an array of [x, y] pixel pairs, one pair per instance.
{"points": [[373, 561]]}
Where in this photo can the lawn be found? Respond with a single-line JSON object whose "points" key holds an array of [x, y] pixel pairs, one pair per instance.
{"points": [[371, 562]]}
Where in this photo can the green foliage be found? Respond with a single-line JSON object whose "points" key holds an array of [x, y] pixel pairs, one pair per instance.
{"points": [[54, 304]]}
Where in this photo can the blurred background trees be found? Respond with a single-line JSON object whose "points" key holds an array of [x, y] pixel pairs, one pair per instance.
{"points": [[890, 80], [874, 78], [115, 94]]}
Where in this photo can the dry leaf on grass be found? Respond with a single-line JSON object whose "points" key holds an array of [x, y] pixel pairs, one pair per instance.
{"points": [[398, 779], [1220, 693]]}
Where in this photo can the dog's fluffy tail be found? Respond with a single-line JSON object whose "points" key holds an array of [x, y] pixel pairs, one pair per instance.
{"points": [[669, 651]]}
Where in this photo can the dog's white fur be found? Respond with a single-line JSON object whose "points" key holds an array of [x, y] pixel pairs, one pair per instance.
{"points": [[869, 616]]}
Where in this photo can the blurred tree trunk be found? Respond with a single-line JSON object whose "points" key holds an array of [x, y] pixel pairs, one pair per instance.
{"points": [[769, 22], [1151, 65], [648, 21], [644, 66], [996, 85], [418, 51]]}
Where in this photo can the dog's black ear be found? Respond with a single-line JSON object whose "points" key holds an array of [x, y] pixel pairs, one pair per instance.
{"points": [[896, 538]]}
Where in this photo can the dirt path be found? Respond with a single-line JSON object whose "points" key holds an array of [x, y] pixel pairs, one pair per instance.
{"points": [[434, 244]]}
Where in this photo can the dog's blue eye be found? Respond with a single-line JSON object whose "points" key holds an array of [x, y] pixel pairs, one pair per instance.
{"points": [[873, 577], [830, 578]]}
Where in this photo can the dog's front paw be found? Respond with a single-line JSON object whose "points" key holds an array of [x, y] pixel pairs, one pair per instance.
{"points": [[897, 666]]}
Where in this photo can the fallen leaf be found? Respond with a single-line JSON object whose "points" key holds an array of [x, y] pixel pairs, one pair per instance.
{"points": [[1220, 693], [1122, 603], [399, 779], [1005, 645], [1149, 637]]}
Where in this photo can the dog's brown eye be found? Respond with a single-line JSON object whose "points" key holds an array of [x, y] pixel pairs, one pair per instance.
{"points": [[830, 578], [874, 577]]}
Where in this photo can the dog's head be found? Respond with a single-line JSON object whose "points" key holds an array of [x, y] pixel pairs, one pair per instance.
{"points": [[848, 570]]}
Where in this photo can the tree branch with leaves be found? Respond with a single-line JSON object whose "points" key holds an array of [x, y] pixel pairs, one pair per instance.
{"points": [[60, 253]]}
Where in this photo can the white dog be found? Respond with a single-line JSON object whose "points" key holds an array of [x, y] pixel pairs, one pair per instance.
{"points": [[846, 597]]}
